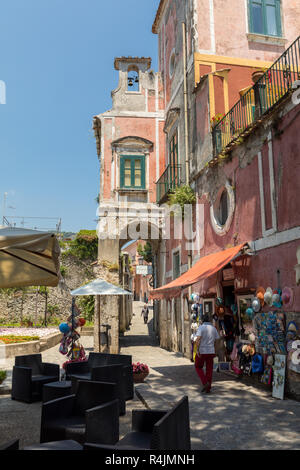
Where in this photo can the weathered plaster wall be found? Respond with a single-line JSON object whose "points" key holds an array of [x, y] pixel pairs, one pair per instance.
{"points": [[223, 28]]}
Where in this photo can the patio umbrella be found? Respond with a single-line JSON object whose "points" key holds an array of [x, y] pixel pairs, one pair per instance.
{"points": [[99, 287], [28, 258]]}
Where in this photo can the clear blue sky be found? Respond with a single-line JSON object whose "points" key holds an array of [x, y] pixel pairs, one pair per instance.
{"points": [[56, 59]]}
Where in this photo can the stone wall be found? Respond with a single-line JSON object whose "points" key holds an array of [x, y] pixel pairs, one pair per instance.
{"points": [[77, 274]]}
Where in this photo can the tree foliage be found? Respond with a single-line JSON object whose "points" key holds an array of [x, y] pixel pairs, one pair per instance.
{"points": [[87, 306], [182, 195], [85, 245], [145, 252]]}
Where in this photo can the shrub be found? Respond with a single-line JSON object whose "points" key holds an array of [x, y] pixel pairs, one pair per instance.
{"points": [[145, 252], [54, 321], [2, 375], [63, 270], [182, 195], [85, 245], [87, 305], [53, 309]]}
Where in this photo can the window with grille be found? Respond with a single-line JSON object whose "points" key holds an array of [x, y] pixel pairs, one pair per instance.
{"points": [[173, 161], [173, 150], [265, 17]]}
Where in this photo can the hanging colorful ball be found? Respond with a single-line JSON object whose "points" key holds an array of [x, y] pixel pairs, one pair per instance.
{"points": [[81, 321], [64, 328], [256, 305], [249, 312]]}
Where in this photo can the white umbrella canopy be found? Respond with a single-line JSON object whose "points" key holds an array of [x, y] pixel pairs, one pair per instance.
{"points": [[28, 258], [100, 287]]}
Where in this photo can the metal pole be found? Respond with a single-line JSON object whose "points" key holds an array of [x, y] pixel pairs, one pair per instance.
{"points": [[4, 205], [46, 306], [73, 316], [186, 129]]}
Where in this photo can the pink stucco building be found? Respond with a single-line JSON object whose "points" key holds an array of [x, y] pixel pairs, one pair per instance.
{"points": [[218, 117]]}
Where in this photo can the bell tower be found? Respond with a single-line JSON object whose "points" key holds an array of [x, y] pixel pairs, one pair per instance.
{"points": [[135, 80]]}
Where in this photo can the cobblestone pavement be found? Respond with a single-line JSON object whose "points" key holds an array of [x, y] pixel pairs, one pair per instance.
{"points": [[234, 416]]}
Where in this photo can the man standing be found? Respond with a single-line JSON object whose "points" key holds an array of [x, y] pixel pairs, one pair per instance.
{"points": [[145, 313], [207, 336]]}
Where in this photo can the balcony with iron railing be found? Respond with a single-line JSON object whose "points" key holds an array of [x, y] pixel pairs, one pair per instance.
{"points": [[169, 180], [271, 88]]}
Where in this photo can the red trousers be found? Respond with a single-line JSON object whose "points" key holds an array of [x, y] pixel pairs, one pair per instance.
{"points": [[208, 361]]}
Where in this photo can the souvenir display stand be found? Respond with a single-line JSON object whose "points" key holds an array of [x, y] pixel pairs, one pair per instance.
{"points": [[70, 345], [261, 350], [196, 318]]}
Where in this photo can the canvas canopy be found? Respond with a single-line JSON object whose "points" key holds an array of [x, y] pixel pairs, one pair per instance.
{"points": [[204, 268], [28, 258], [100, 287]]}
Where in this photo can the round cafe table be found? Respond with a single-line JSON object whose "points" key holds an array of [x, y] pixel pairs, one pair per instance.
{"points": [[54, 390]]}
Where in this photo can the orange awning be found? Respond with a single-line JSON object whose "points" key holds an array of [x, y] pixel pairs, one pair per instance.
{"points": [[203, 269]]}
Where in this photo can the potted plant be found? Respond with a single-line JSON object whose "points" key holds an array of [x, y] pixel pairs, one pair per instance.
{"points": [[140, 372], [2, 376]]}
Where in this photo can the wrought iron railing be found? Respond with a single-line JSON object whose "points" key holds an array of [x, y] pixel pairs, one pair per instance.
{"points": [[271, 87], [170, 179]]}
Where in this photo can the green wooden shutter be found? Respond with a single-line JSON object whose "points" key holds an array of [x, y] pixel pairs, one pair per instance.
{"points": [[143, 177], [132, 159], [278, 17], [252, 4], [274, 5], [122, 172]]}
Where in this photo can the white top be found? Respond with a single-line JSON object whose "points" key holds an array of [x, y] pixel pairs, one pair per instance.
{"points": [[208, 334], [100, 287]]}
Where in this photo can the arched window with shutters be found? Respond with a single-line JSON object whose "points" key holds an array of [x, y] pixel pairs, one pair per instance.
{"points": [[265, 17]]}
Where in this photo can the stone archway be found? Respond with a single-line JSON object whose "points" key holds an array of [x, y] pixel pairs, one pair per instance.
{"points": [[115, 231]]}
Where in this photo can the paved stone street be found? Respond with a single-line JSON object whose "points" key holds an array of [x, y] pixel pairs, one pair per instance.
{"points": [[234, 416]]}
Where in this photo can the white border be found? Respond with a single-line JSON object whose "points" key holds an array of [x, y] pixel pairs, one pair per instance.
{"points": [[218, 228]]}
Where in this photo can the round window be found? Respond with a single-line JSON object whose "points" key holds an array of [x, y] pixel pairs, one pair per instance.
{"points": [[221, 212], [223, 208]]}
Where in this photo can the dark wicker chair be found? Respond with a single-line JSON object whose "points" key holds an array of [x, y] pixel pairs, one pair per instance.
{"points": [[29, 376], [155, 430], [111, 374], [83, 370], [11, 445], [91, 415], [56, 445]]}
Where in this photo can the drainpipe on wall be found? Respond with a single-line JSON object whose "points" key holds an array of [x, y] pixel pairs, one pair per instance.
{"points": [[186, 126], [187, 166]]}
